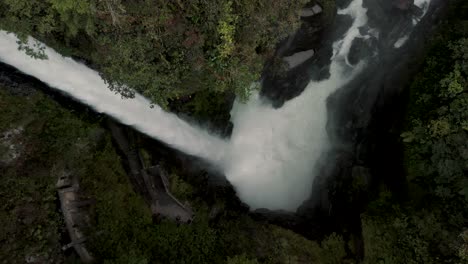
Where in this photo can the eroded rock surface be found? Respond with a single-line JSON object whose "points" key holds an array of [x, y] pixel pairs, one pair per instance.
{"points": [[11, 146]]}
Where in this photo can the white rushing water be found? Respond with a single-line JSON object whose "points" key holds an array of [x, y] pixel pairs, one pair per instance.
{"points": [[424, 6], [272, 152], [85, 85]]}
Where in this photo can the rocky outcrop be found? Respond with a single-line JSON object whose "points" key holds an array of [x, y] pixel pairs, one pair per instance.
{"points": [[313, 10], [15, 82], [363, 116], [296, 58]]}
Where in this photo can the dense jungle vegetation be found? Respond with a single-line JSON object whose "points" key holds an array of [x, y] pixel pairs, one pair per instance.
{"points": [[169, 50], [430, 224], [162, 49], [54, 140]]}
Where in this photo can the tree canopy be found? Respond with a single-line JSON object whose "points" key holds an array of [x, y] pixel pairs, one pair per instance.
{"points": [[160, 48]]}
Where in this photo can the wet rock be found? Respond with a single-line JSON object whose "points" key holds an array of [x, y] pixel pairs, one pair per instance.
{"points": [[360, 49], [298, 58], [363, 117], [299, 52], [14, 82], [403, 4], [342, 3], [311, 11]]}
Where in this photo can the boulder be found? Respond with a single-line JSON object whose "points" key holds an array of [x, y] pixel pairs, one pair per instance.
{"points": [[311, 11], [360, 49], [298, 58]]}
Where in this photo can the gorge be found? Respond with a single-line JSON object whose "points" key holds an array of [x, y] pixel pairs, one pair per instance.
{"points": [[269, 164], [350, 147]]}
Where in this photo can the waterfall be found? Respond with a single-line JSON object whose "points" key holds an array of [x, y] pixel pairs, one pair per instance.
{"points": [[86, 86], [272, 153]]}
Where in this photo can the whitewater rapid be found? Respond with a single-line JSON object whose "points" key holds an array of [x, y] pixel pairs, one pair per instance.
{"points": [[271, 155]]}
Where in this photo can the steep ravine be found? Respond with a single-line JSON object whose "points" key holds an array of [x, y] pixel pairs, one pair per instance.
{"points": [[363, 120], [357, 133]]}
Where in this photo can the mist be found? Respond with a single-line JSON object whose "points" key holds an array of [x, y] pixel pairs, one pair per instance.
{"points": [[271, 156]]}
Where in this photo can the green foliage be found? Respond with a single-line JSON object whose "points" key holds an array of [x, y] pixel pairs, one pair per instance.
{"points": [[122, 230], [333, 249], [426, 228], [179, 188], [241, 259], [329, 9], [75, 15], [37, 51], [437, 143], [58, 140], [162, 49], [227, 30], [31, 224], [411, 237], [463, 249]]}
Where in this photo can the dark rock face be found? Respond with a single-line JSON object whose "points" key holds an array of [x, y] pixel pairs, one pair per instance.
{"points": [[280, 85], [362, 116], [360, 49], [15, 82], [403, 4]]}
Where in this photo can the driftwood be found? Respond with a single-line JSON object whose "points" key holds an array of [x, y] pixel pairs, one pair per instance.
{"points": [[74, 215], [152, 183]]}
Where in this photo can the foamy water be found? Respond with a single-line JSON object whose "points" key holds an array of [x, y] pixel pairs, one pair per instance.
{"points": [[271, 155], [85, 85], [273, 152]]}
